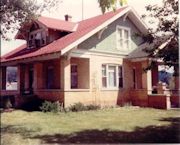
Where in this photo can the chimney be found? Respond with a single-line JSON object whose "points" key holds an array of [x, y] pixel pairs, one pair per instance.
{"points": [[68, 17]]}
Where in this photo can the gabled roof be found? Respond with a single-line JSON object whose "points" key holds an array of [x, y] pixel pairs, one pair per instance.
{"points": [[50, 23], [85, 29]]}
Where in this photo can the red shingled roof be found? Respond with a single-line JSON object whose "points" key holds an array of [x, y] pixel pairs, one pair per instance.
{"points": [[58, 24], [84, 27]]}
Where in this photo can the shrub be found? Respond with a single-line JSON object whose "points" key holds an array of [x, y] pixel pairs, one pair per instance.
{"points": [[48, 106], [7, 103], [77, 107], [81, 107], [92, 107]]}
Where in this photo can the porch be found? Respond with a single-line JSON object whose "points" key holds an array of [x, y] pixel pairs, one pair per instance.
{"points": [[149, 91], [49, 79]]}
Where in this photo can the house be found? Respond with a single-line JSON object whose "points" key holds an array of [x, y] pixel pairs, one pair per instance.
{"points": [[95, 61]]}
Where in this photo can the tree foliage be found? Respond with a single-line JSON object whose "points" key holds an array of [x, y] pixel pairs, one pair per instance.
{"points": [[163, 40], [13, 13], [107, 4]]}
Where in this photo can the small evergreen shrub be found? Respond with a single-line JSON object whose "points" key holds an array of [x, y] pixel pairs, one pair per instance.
{"points": [[48, 106], [81, 107]]}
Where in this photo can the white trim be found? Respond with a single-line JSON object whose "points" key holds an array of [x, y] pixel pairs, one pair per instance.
{"points": [[75, 27], [86, 36], [117, 76], [138, 21], [125, 16], [87, 53]]}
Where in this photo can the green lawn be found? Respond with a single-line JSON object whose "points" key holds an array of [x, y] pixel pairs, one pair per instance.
{"points": [[115, 125]]}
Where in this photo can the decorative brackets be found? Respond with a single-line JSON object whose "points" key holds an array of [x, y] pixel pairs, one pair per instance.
{"points": [[100, 32], [125, 16]]}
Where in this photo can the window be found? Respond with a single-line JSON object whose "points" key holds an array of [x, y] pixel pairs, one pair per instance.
{"points": [[123, 38], [10, 78], [74, 76], [50, 77], [120, 76], [37, 39], [112, 76], [134, 78], [104, 76]]}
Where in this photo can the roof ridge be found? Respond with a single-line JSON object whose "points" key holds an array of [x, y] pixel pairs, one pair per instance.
{"points": [[57, 19], [104, 13]]}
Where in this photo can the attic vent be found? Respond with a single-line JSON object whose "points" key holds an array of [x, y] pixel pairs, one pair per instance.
{"points": [[68, 17]]}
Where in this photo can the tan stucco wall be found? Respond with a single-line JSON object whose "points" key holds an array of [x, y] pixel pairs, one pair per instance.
{"points": [[83, 72], [97, 94]]}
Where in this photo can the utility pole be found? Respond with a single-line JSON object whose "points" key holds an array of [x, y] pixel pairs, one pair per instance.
{"points": [[82, 9]]}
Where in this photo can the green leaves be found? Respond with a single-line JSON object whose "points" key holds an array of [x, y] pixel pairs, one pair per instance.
{"points": [[166, 34], [107, 4]]}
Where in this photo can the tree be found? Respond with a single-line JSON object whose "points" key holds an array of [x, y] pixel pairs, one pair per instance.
{"points": [[13, 13], [107, 4], [163, 40]]}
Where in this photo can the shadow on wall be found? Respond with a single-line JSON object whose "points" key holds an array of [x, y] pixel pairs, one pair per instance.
{"points": [[150, 134]]}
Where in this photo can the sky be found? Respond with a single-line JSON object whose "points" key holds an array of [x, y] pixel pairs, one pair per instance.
{"points": [[74, 8]]}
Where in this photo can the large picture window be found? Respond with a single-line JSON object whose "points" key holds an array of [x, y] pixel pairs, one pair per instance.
{"points": [[112, 76], [123, 38]]}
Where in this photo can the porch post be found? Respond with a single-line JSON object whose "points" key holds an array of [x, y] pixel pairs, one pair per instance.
{"points": [[3, 78], [26, 77], [149, 82], [65, 65], [155, 75], [20, 78], [147, 79], [38, 72]]}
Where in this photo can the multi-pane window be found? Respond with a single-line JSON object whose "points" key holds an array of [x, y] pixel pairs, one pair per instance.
{"points": [[123, 38], [74, 76], [112, 76]]}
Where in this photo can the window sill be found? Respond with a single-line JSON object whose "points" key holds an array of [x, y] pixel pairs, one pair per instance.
{"points": [[111, 89], [77, 90]]}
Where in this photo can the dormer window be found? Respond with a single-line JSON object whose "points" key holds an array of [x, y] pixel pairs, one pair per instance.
{"points": [[37, 39]]}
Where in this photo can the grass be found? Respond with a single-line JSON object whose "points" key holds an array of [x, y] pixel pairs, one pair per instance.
{"points": [[115, 125]]}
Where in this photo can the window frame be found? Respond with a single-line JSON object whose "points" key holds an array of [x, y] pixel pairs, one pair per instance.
{"points": [[116, 76], [122, 28]]}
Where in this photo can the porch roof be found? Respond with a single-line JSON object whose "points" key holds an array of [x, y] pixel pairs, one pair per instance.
{"points": [[139, 52]]}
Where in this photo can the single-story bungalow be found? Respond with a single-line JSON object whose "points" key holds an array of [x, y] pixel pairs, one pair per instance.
{"points": [[94, 61]]}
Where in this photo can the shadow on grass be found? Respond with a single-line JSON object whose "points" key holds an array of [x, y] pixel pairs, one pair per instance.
{"points": [[150, 134], [18, 129]]}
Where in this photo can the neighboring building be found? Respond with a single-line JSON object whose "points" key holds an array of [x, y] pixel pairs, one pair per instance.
{"points": [[94, 61]]}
